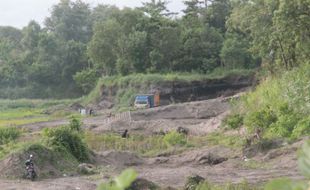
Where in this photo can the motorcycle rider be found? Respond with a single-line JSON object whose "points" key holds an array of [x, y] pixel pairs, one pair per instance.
{"points": [[30, 167], [29, 161]]}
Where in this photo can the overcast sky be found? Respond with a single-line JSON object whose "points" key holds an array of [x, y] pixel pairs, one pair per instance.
{"points": [[18, 13]]}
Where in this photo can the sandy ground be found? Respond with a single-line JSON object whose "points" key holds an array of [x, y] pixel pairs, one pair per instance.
{"points": [[200, 118]]}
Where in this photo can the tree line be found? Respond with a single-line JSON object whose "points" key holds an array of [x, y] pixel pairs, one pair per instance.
{"points": [[78, 44]]}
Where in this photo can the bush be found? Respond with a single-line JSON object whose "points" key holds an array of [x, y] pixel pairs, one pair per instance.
{"points": [[8, 134], [122, 182], [174, 138], [279, 104], [302, 128], [75, 124], [233, 121], [193, 182], [278, 122], [262, 118], [64, 137]]}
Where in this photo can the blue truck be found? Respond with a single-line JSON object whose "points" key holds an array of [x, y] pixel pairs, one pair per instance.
{"points": [[146, 101]]}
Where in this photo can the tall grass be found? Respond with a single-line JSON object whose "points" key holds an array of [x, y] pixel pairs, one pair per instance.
{"points": [[8, 134], [135, 143], [158, 144], [6, 104]]}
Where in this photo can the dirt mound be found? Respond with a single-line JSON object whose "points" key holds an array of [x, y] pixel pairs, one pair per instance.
{"points": [[47, 163], [120, 159], [86, 169], [203, 157], [210, 156], [142, 184], [262, 147], [211, 159]]}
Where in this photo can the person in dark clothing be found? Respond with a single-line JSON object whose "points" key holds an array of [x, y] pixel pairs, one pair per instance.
{"points": [[29, 162], [91, 112], [31, 174], [125, 134]]}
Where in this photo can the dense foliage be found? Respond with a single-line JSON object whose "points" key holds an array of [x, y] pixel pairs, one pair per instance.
{"points": [[280, 106], [78, 44], [278, 30], [69, 140]]}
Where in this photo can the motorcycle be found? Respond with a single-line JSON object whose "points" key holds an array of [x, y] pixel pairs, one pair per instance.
{"points": [[31, 174]]}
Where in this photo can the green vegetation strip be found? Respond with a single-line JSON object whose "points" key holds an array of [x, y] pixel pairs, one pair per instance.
{"points": [[154, 145]]}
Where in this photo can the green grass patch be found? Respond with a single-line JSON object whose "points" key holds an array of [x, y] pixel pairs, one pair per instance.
{"points": [[233, 121], [22, 121], [8, 134], [6, 104], [218, 138], [170, 143], [21, 116], [174, 138], [26, 111], [142, 145]]}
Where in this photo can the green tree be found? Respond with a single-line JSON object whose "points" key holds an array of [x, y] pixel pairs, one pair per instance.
{"points": [[235, 52], [70, 20], [217, 13], [277, 29], [102, 48], [86, 79]]}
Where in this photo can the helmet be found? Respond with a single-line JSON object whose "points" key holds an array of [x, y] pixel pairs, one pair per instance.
{"points": [[31, 156]]}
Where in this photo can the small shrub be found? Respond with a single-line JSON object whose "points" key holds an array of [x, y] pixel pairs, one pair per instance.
{"points": [[193, 182], [262, 118], [70, 140], [233, 121], [8, 134], [217, 138], [287, 119], [174, 138], [122, 182], [75, 124]]}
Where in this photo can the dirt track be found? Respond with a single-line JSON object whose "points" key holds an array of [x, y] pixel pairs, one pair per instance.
{"points": [[200, 118], [76, 183], [173, 170]]}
